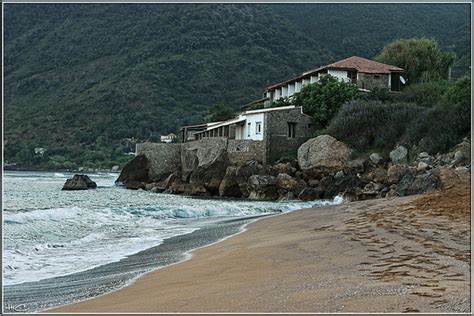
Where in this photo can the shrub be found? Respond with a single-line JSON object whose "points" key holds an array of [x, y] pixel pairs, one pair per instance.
{"points": [[459, 92], [440, 128], [376, 94], [324, 98], [426, 94], [372, 125]]}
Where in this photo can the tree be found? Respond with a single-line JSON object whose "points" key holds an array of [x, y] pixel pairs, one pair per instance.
{"points": [[324, 98], [459, 93], [420, 57], [220, 112]]}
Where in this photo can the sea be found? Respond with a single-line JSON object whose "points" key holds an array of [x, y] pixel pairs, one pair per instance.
{"points": [[61, 247]]}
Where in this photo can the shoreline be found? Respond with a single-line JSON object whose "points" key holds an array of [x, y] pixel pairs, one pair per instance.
{"points": [[273, 259], [122, 273]]}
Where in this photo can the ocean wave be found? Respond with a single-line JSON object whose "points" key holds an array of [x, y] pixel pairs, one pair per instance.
{"points": [[48, 233]]}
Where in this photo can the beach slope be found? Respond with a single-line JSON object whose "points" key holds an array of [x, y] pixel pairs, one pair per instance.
{"points": [[388, 255]]}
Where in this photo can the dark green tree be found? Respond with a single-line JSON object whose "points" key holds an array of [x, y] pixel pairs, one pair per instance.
{"points": [[220, 112], [324, 98], [421, 58]]}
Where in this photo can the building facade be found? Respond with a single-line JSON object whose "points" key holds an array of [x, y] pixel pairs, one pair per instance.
{"points": [[365, 73], [168, 138], [281, 130]]}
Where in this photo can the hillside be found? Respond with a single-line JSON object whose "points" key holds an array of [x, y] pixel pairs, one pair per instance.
{"points": [[356, 29], [80, 78]]}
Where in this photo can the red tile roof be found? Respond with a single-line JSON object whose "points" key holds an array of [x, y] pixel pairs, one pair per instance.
{"points": [[354, 63], [363, 65]]}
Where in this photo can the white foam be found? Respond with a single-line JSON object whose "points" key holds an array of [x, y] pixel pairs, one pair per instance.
{"points": [[75, 231]]}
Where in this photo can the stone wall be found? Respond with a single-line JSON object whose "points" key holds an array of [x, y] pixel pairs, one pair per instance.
{"points": [[164, 158], [371, 81], [241, 151], [278, 143]]}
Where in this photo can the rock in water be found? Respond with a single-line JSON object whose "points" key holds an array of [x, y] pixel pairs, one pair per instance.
{"points": [[79, 182], [135, 173], [323, 152]]}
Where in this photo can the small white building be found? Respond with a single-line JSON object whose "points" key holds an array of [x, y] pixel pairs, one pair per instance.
{"points": [[40, 151], [252, 125], [168, 138]]}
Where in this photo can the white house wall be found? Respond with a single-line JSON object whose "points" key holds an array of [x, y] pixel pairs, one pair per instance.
{"points": [[277, 94], [298, 85], [253, 119], [291, 89], [339, 74]]}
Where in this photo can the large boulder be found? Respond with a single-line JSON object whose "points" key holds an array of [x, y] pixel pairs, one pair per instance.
{"points": [[310, 194], [134, 185], [79, 182], [324, 153], [229, 185], [263, 187], [399, 155], [235, 181], [135, 173], [287, 182], [410, 184], [210, 174]]}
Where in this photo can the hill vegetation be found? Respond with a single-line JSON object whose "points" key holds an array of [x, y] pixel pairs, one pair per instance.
{"points": [[82, 79]]}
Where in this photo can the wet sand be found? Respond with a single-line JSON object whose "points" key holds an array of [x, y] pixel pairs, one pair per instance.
{"points": [[389, 255]]}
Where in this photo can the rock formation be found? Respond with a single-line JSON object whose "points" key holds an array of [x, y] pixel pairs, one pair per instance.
{"points": [[323, 153], [79, 182]]}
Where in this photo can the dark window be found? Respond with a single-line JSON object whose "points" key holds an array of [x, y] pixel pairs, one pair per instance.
{"points": [[352, 75], [248, 129], [291, 130], [377, 76]]}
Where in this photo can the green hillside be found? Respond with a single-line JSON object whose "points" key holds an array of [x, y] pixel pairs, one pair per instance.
{"points": [[80, 78], [364, 29]]}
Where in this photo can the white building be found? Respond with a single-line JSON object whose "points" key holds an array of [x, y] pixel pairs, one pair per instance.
{"points": [[365, 73], [168, 138], [251, 125]]}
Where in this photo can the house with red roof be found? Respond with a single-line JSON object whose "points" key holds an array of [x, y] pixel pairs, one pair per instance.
{"points": [[365, 73]]}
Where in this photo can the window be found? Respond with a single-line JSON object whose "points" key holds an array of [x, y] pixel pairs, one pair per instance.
{"points": [[248, 129], [258, 127], [352, 75], [377, 76], [291, 130]]}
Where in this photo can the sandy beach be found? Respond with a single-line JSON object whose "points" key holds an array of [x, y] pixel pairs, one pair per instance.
{"points": [[388, 255]]}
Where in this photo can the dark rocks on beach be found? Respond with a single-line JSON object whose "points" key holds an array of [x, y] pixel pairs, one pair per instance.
{"points": [[79, 182], [410, 185], [263, 187], [211, 173], [324, 169], [135, 173], [310, 194]]}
